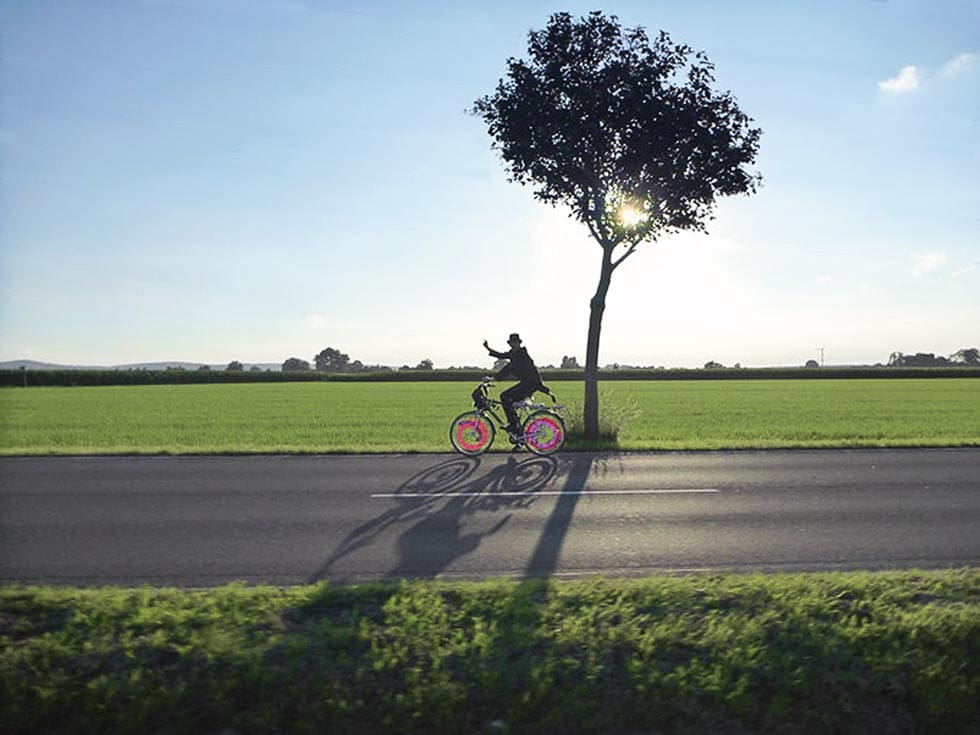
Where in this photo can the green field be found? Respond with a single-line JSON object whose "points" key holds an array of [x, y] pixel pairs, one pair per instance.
{"points": [[413, 417], [850, 652]]}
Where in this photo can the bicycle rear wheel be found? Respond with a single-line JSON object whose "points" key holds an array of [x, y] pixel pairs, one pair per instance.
{"points": [[544, 432], [471, 433]]}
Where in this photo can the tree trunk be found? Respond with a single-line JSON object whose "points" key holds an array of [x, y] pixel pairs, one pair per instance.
{"points": [[598, 306]]}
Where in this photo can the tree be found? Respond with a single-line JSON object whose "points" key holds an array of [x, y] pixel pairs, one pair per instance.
{"points": [[234, 366], [425, 365], [969, 356], [919, 359], [569, 363], [332, 361], [294, 364], [629, 135]]}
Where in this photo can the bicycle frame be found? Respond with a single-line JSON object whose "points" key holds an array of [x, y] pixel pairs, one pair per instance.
{"points": [[524, 409], [489, 412]]}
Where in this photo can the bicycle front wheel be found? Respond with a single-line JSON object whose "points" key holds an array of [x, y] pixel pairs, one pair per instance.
{"points": [[544, 432], [471, 433]]}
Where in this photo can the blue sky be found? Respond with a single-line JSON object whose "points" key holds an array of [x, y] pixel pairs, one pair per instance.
{"points": [[217, 180]]}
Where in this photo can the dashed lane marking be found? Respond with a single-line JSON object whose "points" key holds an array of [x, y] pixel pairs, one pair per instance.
{"points": [[545, 493]]}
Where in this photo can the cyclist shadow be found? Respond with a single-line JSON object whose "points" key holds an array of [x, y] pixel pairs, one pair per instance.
{"points": [[434, 506]]}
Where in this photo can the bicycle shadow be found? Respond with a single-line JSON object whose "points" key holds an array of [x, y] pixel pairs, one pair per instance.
{"points": [[433, 507]]}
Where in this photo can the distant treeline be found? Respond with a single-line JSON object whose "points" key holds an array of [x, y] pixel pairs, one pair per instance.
{"points": [[146, 377], [41, 378]]}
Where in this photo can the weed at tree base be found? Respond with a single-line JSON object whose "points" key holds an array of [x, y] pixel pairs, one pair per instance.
{"points": [[616, 413]]}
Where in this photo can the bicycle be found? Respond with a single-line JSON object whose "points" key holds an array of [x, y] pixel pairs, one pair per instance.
{"points": [[542, 426]]}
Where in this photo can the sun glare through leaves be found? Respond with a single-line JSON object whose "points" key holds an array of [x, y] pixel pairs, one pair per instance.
{"points": [[630, 216]]}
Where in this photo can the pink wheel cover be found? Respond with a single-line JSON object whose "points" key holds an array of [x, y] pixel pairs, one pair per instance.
{"points": [[549, 424], [465, 429]]}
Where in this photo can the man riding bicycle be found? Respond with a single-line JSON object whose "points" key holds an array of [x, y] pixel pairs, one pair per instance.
{"points": [[522, 367]]}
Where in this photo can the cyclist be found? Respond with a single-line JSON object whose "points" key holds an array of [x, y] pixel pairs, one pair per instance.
{"points": [[522, 367]]}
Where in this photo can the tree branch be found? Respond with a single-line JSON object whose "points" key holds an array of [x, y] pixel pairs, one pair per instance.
{"points": [[595, 234], [628, 253]]}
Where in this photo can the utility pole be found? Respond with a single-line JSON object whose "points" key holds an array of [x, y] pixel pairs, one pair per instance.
{"points": [[820, 350]]}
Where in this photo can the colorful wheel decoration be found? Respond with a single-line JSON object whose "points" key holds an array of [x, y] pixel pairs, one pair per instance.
{"points": [[544, 433], [471, 434]]}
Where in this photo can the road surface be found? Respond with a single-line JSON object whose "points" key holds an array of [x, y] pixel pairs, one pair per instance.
{"points": [[204, 521]]}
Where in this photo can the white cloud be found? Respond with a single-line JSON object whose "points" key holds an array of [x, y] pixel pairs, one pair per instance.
{"points": [[906, 81], [959, 65], [927, 264], [911, 77], [964, 271]]}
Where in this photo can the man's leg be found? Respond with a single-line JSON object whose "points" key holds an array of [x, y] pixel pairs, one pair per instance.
{"points": [[511, 396], [508, 398]]}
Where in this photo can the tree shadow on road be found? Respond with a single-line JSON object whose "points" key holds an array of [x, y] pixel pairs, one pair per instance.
{"points": [[544, 560], [436, 503]]}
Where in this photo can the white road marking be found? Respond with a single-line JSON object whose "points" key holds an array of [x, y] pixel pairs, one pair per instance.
{"points": [[542, 493]]}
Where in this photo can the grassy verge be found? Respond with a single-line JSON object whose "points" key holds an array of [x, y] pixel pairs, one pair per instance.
{"points": [[836, 652], [414, 417]]}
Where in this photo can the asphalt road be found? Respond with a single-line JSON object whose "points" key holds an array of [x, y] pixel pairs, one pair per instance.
{"points": [[287, 519]]}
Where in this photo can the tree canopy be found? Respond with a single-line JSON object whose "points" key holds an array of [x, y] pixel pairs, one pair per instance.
{"points": [[628, 134], [331, 360], [295, 364]]}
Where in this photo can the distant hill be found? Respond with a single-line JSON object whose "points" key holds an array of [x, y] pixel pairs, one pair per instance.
{"points": [[36, 365]]}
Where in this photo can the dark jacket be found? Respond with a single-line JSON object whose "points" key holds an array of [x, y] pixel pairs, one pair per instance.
{"points": [[521, 366]]}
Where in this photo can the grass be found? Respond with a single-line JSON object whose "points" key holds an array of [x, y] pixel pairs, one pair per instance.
{"points": [[801, 413], [413, 417], [835, 652]]}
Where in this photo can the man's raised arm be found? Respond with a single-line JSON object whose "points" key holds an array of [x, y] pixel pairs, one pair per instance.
{"points": [[494, 353]]}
